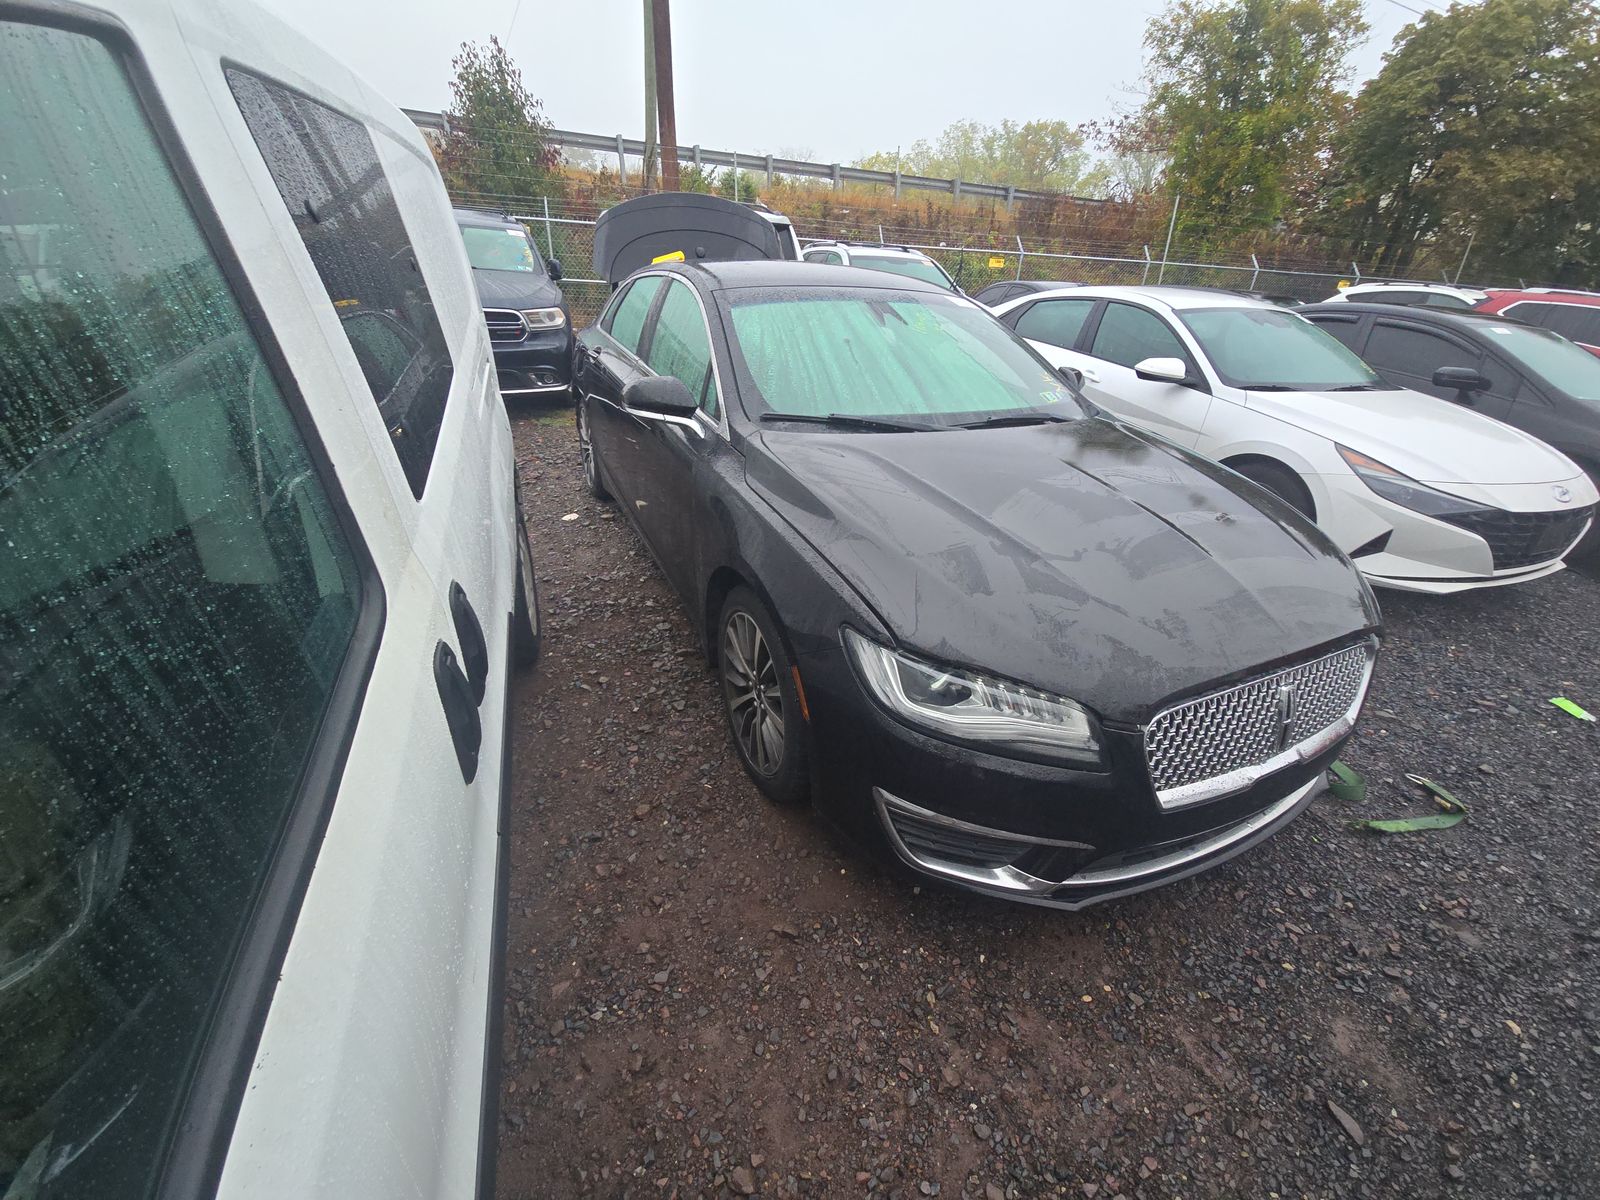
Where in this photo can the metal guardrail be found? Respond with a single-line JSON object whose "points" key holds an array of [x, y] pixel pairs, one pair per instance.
{"points": [[772, 165]]}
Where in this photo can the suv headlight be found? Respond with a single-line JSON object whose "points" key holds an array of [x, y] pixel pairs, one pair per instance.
{"points": [[964, 706], [544, 318], [1405, 491]]}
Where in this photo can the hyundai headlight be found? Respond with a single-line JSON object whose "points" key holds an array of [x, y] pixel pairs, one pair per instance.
{"points": [[544, 318], [964, 706], [1405, 491]]}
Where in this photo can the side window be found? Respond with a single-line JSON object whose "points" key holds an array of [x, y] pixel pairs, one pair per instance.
{"points": [[1444, 300], [1389, 297], [1575, 322], [681, 347], [1129, 335], [825, 256], [1503, 381], [627, 315], [1415, 353], [1345, 329], [1058, 322], [1532, 311], [328, 175], [177, 600]]}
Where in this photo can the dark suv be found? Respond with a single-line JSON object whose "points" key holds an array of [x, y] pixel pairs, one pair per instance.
{"points": [[529, 325], [1530, 378]]}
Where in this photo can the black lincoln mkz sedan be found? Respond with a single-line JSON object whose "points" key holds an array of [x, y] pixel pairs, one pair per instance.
{"points": [[1029, 650]]}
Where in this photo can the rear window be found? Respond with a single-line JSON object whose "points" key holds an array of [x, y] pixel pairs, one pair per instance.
{"points": [[329, 177], [912, 268], [177, 601]]}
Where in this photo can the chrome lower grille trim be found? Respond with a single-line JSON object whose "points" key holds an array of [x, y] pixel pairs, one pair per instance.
{"points": [[1010, 880], [1224, 742]]}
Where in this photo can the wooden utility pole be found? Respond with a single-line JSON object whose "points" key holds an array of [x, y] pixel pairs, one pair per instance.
{"points": [[649, 174], [665, 106]]}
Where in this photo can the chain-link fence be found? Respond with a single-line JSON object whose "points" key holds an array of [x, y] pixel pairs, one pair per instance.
{"points": [[570, 239]]}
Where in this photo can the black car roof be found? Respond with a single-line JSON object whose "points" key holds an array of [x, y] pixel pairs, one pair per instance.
{"points": [[1465, 319], [488, 220], [783, 273]]}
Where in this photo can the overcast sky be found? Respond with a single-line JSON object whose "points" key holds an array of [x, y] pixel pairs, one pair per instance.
{"points": [[828, 80]]}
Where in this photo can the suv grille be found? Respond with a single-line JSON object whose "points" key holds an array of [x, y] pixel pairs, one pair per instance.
{"points": [[1224, 742], [1523, 539], [505, 324]]}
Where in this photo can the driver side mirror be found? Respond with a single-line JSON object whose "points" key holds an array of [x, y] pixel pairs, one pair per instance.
{"points": [[1465, 380], [553, 265], [659, 396], [1163, 370], [1072, 375]]}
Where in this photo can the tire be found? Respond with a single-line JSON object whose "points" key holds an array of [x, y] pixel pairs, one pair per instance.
{"points": [[586, 451], [1282, 483], [750, 644], [527, 619]]}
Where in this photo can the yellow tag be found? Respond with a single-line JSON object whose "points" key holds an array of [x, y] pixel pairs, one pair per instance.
{"points": [[996, 262], [1342, 284], [675, 256], [345, 303]]}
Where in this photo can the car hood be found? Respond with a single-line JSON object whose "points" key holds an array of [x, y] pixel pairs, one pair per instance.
{"points": [[1431, 440], [1079, 557], [515, 289]]}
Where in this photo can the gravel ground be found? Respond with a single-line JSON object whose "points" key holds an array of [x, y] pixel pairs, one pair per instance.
{"points": [[708, 996]]}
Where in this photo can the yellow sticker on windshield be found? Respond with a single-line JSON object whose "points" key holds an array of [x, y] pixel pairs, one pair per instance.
{"points": [[675, 256]]}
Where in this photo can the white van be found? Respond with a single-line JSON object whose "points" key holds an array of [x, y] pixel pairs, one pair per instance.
{"points": [[262, 581]]}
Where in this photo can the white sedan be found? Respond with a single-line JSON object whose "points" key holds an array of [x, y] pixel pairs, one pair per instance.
{"points": [[1423, 494]]}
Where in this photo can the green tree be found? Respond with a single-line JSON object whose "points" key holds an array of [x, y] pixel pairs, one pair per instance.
{"points": [[1484, 119], [1046, 156], [1245, 98], [497, 141], [740, 185]]}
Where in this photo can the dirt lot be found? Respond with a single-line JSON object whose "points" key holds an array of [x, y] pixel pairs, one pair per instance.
{"points": [[707, 996]]}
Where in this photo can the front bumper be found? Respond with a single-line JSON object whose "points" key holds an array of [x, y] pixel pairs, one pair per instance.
{"points": [[1027, 831], [1418, 553], [539, 364], [996, 862]]}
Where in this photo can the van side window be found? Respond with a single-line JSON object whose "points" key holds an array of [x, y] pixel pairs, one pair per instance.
{"points": [[177, 600], [625, 322], [328, 175]]}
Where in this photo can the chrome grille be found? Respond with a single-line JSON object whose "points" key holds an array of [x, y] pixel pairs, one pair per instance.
{"points": [[505, 324], [1224, 742]]}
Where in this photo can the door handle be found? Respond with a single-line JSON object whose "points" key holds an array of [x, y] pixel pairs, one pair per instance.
{"points": [[474, 649], [1089, 375], [460, 709]]}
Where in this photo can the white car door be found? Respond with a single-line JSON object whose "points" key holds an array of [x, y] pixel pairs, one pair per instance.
{"points": [[1125, 336]]}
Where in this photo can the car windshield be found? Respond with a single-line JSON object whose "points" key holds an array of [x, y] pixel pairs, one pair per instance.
{"points": [[915, 268], [1552, 358], [869, 352], [1272, 348], [500, 249]]}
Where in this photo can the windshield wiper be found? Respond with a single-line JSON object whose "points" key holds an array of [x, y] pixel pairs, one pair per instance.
{"points": [[846, 421], [1357, 387], [1272, 387], [1033, 418]]}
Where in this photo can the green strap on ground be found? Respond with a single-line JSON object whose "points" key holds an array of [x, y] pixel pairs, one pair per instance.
{"points": [[1346, 784], [1454, 812], [1568, 707]]}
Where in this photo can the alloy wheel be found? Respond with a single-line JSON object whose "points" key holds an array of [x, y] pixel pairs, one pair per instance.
{"points": [[755, 700], [585, 445]]}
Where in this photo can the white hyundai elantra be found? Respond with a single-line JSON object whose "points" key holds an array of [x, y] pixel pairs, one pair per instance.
{"points": [[1423, 494]]}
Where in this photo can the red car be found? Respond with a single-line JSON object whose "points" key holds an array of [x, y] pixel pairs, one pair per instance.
{"points": [[1574, 315]]}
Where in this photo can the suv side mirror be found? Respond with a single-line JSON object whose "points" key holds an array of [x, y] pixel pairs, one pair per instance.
{"points": [[1162, 370], [553, 265], [659, 396], [1461, 379]]}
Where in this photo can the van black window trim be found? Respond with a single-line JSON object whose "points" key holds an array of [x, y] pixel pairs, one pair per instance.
{"points": [[203, 1129]]}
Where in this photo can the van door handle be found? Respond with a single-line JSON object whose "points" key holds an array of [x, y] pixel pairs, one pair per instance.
{"points": [[460, 709], [474, 649]]}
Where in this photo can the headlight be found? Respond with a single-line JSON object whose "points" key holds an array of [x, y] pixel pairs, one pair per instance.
{"points": [[977, 709], [544, 318], [1404, 490]]}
